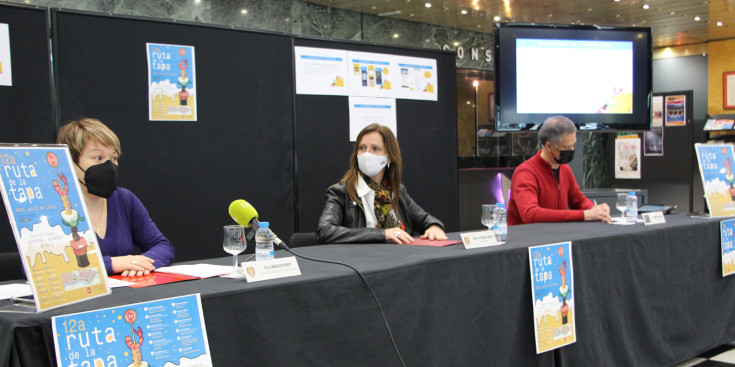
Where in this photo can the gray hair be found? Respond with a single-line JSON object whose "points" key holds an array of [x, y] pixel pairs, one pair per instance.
{"points": [[554, 128]]}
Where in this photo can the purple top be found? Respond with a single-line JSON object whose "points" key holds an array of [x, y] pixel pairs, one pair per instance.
{"points": [[128, 226]]}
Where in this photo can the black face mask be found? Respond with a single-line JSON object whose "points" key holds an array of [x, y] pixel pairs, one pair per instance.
{"points": [[101, 179], [565, 156]]}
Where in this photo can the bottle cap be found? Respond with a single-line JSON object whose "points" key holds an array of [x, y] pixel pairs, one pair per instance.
{"points": [[264, 224], [631, 193], [501, 205]]}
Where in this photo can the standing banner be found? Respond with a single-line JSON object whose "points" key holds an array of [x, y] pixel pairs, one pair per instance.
{"points": [[166, 332], [51, 224], [715, 167], [552, 290], [171, 83], [727, 244]]}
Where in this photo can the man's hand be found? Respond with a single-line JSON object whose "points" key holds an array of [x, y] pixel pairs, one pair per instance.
{"points": [[598, 212]]}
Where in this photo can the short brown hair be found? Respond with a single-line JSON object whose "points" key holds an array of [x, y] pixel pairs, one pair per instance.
{"points": [[77, 133]]}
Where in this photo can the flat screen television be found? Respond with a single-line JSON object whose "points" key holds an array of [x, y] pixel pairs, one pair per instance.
{"points": [[599, 77]]}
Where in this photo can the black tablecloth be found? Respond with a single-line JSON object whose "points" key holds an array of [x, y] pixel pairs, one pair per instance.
{"points": [[644, 296]]}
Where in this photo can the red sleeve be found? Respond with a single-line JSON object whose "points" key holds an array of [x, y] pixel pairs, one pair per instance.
{"points": [[525, 191]]}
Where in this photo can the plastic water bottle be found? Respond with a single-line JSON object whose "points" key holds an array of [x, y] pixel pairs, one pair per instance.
{"points": [[631, 208], [500, 223], [264, 243]]}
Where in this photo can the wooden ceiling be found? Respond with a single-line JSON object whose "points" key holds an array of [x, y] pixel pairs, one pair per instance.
{"points": [[673, 22]]}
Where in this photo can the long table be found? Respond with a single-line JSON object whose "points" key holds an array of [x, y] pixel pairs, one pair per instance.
{"points": [[644, 296]]}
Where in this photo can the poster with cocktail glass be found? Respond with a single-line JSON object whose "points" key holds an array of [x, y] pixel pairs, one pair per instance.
{"points": [[552, 289], [6, 76], [727, 245], [52, 227], [171, 83], [715, 168], [167, 332]]}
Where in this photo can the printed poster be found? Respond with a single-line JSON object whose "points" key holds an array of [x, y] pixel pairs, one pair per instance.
{"points": [[657, 111], [166, 333], [715, 167], [676, 112], [727, 243], [654, 142], [321, 71], [171, 83], [6, 75], [628, 158], [552, 288], [418, 78], [371, 75], [365, 111], [51, 224]]}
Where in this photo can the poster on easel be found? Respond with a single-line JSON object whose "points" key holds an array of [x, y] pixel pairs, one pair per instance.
{"points": [[6, 76], [552, 289], [171, 82], [727, 246], [167, 332], [715, 168], [51, 224]]}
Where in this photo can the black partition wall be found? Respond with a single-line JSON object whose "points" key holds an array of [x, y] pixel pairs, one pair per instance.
{"points": [[254, 138], [187, 173], [426, 131], [27, 110]]}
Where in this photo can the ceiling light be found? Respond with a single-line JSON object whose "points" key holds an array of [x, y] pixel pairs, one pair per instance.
{"points": [[428, 5], [463, 11], [697, 19], [396, 35], [719, 24], [645, 6], [455, 43], [243, 11], [496, 18], [475, 83]]}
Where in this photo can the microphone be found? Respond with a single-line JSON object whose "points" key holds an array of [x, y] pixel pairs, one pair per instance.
{"points": [[245, 214]]}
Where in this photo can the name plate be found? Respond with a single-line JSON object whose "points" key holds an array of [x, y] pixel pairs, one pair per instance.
{"points": [[478, 239], [653, 218], [256, 271]]}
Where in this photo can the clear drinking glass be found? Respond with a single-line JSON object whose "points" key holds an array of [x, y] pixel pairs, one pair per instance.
{"points": [[487, 215], [234, 243], [621, 203]]}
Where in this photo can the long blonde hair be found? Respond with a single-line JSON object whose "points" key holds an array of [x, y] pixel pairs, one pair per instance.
{"points": [[392, 171]]}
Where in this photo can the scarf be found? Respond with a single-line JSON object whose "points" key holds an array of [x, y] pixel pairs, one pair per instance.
{"points": [[383, 203]]}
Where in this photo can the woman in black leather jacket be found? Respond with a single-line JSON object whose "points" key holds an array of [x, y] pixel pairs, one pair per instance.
{"points": [[370, 204]]}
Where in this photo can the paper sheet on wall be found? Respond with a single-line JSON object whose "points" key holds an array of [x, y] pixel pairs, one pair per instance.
{"points": [[727, 246], [172, 83], [715, 168], [418, 78], [628, 157], [51, 224], [6, 75], [366, 110], [320, 71], [372, 75], [552, 289]]}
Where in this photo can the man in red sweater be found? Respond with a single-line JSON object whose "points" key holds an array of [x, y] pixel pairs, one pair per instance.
{"points": [[543, 188]]}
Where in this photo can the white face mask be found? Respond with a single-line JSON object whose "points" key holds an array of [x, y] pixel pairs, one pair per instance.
{"points": [[371, 164]]}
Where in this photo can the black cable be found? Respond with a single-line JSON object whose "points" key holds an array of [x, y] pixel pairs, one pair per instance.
{"points": [[382, 314]]}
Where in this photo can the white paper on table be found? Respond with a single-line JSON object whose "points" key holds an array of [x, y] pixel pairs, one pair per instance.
{"points": [[197, 270], [15, 290], [117, 283]]}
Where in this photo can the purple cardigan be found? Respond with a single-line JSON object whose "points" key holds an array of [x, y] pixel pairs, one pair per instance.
{"points": [[128, 226]]}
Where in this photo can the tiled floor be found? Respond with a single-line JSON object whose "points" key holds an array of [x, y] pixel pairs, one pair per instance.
{"points": [[722, 356]]}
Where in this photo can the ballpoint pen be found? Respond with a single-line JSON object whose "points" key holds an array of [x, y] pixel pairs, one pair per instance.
{"points": [[24, 301]]}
